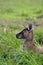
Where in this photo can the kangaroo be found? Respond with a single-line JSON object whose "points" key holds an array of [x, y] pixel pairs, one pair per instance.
{"points": [[29, 44]]}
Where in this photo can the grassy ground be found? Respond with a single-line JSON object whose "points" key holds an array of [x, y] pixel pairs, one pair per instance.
{"points": [[15, 15], [11, 49], [14, 9]]}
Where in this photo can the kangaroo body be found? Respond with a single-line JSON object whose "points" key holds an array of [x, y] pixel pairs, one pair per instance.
{"points": [[29, 44]]}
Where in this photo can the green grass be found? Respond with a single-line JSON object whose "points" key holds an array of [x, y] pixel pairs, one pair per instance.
{"points": [[17, 9], [11, 49]]}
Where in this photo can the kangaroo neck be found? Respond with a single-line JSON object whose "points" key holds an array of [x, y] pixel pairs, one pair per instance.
{"points": [[30, 42], [30, 36]]}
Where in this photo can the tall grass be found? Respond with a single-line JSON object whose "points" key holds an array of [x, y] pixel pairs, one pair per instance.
{"points": [[11, 49]]}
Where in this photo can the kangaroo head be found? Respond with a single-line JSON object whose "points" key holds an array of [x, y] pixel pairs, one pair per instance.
{"points": [[26, 33]]}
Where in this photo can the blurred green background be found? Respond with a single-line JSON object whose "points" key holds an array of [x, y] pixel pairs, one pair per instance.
{"points": [[15, 15], [20, 8]]}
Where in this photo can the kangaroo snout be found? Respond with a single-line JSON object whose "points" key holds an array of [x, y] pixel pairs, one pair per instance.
{"points": [[16, 36], [19, 35]]}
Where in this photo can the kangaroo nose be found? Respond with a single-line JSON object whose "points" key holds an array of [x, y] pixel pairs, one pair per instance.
{"points": [[16, 36]]}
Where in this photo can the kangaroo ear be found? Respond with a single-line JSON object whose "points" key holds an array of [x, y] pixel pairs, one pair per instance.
{"points": [[30, 27]]}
